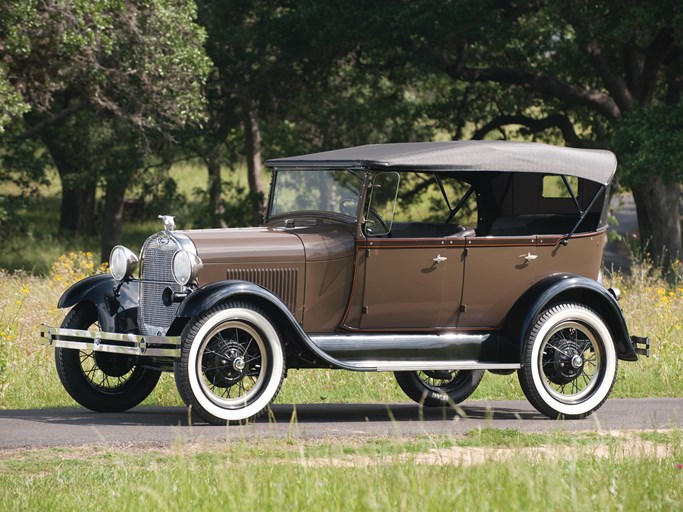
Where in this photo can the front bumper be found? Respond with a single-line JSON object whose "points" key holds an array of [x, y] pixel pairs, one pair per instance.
{"points": [[115, 343]]}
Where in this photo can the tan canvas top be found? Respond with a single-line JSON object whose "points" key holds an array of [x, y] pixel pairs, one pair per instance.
{"points": [[595, 165]]}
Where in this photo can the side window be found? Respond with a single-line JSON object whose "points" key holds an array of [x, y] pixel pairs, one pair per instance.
{"points": [[382, 206], [554, 187], [420, 205], [436, 198]]}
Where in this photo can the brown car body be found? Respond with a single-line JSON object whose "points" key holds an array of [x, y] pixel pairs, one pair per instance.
{"points": [[331, 283]]}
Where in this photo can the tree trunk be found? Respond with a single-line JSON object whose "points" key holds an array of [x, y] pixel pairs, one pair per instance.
{"points": [[216, 208], [112, 217], [657, 204], [77, 214], [253, 154]]}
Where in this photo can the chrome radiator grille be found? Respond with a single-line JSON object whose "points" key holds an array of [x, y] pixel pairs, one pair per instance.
{"points": [[280, 281], [154, 318]]}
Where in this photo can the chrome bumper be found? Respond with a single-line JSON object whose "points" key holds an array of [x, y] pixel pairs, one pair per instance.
{"points": [[129, 344]]}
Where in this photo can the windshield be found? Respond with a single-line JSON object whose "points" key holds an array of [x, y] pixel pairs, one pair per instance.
{"points": [[326, 190]]}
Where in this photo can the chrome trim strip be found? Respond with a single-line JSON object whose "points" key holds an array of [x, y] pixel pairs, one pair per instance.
{"points": [[338, 341], [392, 366], [115, 343]]}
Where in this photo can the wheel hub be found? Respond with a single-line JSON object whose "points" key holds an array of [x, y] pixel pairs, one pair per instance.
{"points": [[114, 365], [562, 361], [224, 362], [577, 361], [238, 363], [445, 375]]}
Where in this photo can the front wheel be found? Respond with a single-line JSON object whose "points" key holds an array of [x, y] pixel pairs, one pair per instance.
{"points": [[437, 388], [570, 364], [232, 364], [100, 381]]}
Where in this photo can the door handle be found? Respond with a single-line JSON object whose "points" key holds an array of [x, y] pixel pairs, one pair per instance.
{"points": [[439, 258], [528, 256]]}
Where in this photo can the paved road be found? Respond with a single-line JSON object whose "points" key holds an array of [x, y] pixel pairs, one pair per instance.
{"points": [[163, 426]]}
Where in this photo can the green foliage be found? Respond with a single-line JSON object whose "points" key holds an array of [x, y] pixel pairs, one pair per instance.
{"points": [[648, 141], [139, 60]]}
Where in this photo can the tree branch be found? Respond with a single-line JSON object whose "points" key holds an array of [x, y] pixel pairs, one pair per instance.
{"points": [[613, 82], [38, 128], [549, 86], [663, 46], [534, 126]]}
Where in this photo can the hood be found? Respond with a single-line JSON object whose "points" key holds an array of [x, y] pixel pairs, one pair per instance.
{"points": [[246, 245]]}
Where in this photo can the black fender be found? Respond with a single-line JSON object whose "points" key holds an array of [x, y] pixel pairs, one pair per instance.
{"points": [[203, 299], [116, 309], [569, 288]]}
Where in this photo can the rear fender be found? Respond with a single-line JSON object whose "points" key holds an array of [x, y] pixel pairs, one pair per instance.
{"points": [[116, 310], [569, 288]]}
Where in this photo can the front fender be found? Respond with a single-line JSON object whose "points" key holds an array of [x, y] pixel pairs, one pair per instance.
{"points": [[203, 299], [213, 294], [117, 312], [570, 288]]}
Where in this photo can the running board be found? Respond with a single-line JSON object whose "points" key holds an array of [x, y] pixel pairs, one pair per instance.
{"points": [[401, 352]]}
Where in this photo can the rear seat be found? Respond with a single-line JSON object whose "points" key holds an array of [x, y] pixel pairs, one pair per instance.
{"points": [[538, 224]]}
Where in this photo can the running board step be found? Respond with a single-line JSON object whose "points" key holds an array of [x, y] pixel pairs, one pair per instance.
{"points": [[401, 352]]}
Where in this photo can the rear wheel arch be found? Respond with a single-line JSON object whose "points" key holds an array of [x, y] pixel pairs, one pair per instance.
{"points": [[569, 289]]}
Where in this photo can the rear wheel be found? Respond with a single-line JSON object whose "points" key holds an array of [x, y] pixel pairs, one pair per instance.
{"points": [[570, 364], [436, 388], [101, 381], [232, 364]]}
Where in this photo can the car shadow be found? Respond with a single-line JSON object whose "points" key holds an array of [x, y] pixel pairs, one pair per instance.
{"points": [[282, 413]]}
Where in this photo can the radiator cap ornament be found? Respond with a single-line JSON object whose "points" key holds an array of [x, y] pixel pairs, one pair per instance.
{"points": [[169, 222]]}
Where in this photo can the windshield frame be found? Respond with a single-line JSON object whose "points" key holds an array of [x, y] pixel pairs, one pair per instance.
{"points": [[314, 213]]}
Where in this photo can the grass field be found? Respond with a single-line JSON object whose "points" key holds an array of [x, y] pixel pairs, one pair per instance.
{"points": [[485, 470]]}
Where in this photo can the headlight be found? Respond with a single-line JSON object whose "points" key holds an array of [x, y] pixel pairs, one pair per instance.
{"points": [[186, 267], [122, 262]]}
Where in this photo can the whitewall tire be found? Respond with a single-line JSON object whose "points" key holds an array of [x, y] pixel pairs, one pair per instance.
{"points": [[570, 364], [232, 364]]}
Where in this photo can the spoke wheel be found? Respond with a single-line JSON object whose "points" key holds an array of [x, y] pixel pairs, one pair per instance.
{"points": [[570, 363], [436, 388], [232, 364], [101, 381]]}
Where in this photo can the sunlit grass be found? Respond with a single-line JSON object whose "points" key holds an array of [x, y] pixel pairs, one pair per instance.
{"points": [[486, 470]]}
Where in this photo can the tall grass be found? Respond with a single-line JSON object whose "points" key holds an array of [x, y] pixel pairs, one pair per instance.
{"points": [[28, 379], [351, 475]]}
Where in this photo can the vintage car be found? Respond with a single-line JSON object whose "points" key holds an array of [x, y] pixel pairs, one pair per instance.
{"points": [[435, 261]]}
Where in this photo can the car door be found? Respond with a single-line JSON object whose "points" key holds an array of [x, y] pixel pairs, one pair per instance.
{"points": [[412, 284], [497, 271]]}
